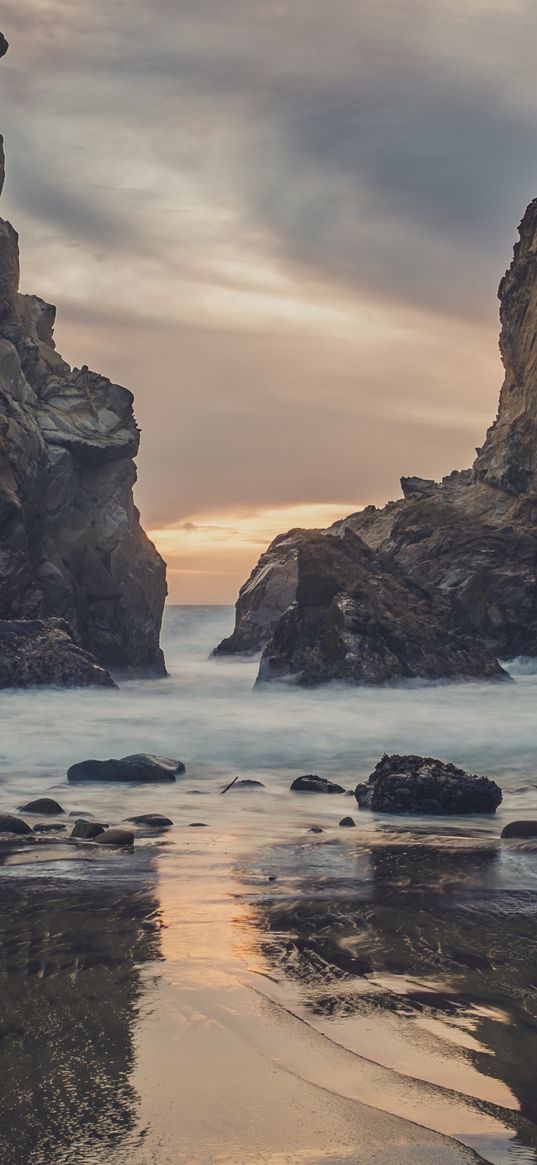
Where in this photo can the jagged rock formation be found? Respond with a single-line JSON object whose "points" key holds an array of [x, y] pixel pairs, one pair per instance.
{"points": [[41, 651], [357, 617], [71, 543], [469, 540]]}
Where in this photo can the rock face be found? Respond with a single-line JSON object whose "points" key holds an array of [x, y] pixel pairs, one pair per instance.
{"points": [[356, 617], [421, 784], [265, 596], [42, 651], [469, 541], [71, 543]]}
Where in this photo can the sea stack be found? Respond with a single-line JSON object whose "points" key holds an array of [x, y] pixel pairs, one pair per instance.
{"points": [[71, 543], [468, 543]]}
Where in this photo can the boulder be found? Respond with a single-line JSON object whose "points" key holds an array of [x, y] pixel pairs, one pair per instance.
{"points": [[141, 767], [87, 830], [11, 824], [313, 784], [423, 785], [153, 820], [116, 837], [42, 651], [347, 822], [43, 806], [520, 829]]}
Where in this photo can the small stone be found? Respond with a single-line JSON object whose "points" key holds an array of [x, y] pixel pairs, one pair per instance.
{"points": [[154, 820], [87, 830], [347, 822], [42, 805], [197, 825], [246, 784], [315, 829], [313, 784], [119, 837], [11, 824], [520, 829]]}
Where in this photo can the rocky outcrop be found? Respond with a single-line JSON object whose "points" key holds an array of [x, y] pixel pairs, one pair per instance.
{"points": [[423, 785], [356, 617], [71, 543], [37, 652], [265, 596], [468, 543]]}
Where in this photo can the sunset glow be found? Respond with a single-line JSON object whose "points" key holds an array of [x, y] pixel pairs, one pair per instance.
{"points": [[210, 554]]}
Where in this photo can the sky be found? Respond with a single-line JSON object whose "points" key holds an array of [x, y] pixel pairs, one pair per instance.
{"points": [[282, 224]]}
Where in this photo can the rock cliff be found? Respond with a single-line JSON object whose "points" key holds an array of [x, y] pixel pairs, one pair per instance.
{"points": [[469, 540], [71, 543]]}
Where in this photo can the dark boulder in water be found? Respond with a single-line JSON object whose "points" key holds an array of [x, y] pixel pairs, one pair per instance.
{"points": [[87, 830], [11, 824], [313, 784], [520, 829], [424, 785], [347, 822], [43, 805], [139, 767], [153, 820], [247, 783], [116, 837]]}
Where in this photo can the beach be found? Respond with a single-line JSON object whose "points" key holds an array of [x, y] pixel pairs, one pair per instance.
{"points": [[238, 989]]}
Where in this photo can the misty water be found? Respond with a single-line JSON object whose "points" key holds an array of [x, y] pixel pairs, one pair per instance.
{"points": [[406, 948]]}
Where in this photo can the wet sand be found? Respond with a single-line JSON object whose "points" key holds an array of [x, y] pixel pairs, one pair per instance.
{"points": [[249, 991]]}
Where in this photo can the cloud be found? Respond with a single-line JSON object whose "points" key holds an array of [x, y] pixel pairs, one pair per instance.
{"points": [[281, 224]]}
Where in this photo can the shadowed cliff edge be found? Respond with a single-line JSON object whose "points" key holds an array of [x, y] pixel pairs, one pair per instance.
{"points": [[71, 543], [467, 546]]}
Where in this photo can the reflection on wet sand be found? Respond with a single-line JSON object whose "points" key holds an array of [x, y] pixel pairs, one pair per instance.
{"points": [[437, 939], [70, 957]]}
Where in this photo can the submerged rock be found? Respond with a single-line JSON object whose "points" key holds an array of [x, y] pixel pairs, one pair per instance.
{"points": [[140, 767], [520, 829], [87, 830], [247, 783], [48, 827], [116, 837], [424, 785], [313, 784], [71, 543], [42, 805], [11, 824], [42, 651], [153, 820]]}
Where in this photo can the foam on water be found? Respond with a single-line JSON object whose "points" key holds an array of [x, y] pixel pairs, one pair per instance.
{"points": [[207, 714]]}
